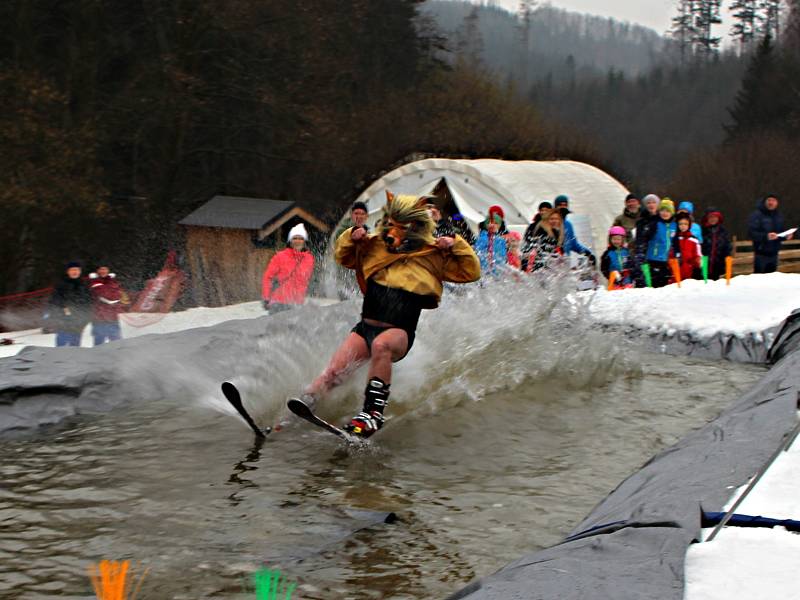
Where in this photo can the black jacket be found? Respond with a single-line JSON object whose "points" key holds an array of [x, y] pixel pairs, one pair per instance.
{"points": [[74, 296], [761, 223]]}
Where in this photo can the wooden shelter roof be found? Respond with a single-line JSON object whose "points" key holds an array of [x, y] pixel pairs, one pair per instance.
{"points": [[238, 213]]}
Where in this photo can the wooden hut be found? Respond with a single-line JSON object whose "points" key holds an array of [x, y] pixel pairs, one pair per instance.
{"points": [[230, 240]]}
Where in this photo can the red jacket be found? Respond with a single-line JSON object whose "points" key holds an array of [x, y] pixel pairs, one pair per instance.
{"points": [[286, 278], [107, 298], [686, 248]]}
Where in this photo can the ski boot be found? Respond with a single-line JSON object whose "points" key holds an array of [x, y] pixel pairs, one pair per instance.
{"points": [[370, 420]]}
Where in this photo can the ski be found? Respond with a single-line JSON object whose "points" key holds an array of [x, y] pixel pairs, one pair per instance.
{"points": [[302, 410], [234, 397]]}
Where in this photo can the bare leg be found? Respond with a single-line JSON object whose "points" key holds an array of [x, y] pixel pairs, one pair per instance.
{"points": [[389, 346], [348, 357]]}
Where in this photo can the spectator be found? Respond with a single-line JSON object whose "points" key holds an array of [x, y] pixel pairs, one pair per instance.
{"points": [[630, 216], [716, 243], [461, 227], [496, 210], [70, 307], [529, 239], [617, 258], [513, 239], [543, 211], [571, 243], [696, 230], [108, 301], [548, 243], [490, 246], [358, 218], [659, 243], [346, 280], [444, 226], [643, 233], [286, 279], [686, 247], [764, 226]]}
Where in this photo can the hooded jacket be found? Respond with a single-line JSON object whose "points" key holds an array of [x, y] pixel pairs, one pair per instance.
{"points": [[686, 248], [70, 296], [287, 276], [695, 228], [716, 243], [107, 297], [761, 223], [420, 272], [659, 243]]}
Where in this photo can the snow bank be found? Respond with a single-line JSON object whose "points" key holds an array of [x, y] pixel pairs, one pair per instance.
{"points": [[752, 304]]}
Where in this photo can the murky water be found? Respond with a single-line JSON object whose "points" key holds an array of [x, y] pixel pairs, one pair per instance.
{"points": [[507, 428]]}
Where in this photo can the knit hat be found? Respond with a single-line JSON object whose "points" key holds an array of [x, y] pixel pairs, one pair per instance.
{"points": [[298, 230], [650, 198], [496, 210], [73, 264], [631, 197], [545, 205], [667, 204], [561, 199], [686, 206], [712, 210], [514, 235]]}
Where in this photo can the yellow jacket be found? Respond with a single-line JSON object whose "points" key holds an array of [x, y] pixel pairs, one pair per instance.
{"points": [[420, 272]]}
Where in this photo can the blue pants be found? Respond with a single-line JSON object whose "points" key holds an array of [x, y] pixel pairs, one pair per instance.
{"points": [[105, 332], [67, 339]]}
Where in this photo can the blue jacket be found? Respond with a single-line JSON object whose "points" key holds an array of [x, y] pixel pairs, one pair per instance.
{"points": [[614, 259], [499, 251], [762, 222], [660, 243], [571, 243]]}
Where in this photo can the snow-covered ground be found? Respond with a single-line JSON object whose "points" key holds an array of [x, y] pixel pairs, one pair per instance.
{"points": [[134, 325], [753, 564], [750, 305]]}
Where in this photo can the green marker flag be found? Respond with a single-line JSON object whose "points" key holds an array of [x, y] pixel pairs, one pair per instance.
{"points": [[648, 278], [268, 585], [705, 268]]}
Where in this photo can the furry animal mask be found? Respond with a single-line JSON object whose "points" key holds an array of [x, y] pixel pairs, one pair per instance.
{"points": [[406, 224]]}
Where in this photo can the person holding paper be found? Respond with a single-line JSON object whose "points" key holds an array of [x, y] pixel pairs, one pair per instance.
{"points": [[766, 228]]}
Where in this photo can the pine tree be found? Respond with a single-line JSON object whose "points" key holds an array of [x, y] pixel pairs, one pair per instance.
{"points": [[469, 40], [683, 30], [524, 14], [745, 12], [792, 31], [770, 19], [706, 14]]}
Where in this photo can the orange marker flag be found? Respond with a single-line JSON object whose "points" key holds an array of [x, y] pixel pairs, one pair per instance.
{"points": [[728, 269], [676, 270], [612, 279], [110, 580]]}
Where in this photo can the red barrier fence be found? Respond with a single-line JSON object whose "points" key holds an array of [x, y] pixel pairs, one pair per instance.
{"points": [[23, 311]]}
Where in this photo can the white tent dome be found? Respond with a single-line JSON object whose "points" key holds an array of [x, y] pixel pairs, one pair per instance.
{"points": [[595, 197]]}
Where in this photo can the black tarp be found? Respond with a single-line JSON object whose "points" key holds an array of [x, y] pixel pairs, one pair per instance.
{"points": [[633, 544]]}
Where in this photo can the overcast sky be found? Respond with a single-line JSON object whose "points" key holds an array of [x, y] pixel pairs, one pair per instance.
{"points": [[651, 13]]}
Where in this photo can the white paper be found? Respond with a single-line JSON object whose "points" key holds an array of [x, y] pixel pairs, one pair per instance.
{"points": [[787, 233]]}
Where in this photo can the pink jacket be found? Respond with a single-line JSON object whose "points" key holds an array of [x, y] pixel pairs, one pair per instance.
{"points": [[286, 278]]}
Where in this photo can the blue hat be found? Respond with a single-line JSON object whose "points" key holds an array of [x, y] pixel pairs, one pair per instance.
{"points": [[687, 206], [561, 199]]}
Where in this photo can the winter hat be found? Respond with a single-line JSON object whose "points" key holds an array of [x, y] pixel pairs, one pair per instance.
{"points": [[561, 199], [667, 204], [496, 210], [632, 197], [298, 230], [650, 198], [73, 264], [686, 206], [514, 235], [545, 205], [684, 215], [712, 210], [617, 230], [357, 205]]}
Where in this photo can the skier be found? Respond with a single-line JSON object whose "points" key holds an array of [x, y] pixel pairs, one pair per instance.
{"points": [[286, 279], [401, 269]]}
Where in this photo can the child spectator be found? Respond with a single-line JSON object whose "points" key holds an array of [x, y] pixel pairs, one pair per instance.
{"points": [[686, 247], [513, 239], [490, 245], [70, 307], [617, 258], [108, 301], [716, 243], [688, 207], [548, 243], [658, 241]]}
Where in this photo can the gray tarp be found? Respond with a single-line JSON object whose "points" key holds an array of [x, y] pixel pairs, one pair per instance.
{"points": [[641, 531]]}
